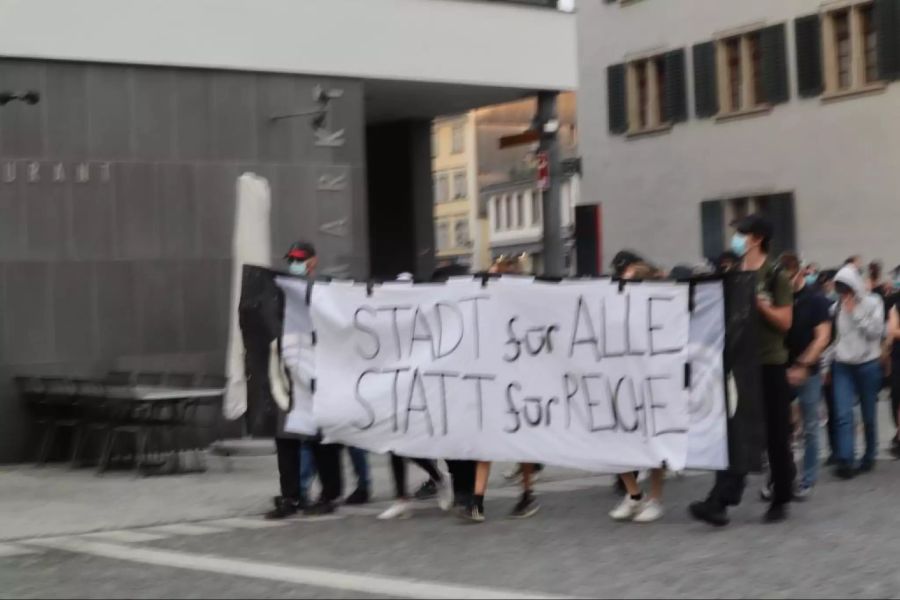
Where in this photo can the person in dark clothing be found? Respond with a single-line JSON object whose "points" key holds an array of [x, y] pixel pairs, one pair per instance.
{"points": [[402, 507], [774, 303], [808, 338], [894, 336]]}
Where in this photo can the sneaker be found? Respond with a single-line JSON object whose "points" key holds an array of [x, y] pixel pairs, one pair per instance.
{"points": [[444, 493], [776, 513], [513, 474], [710, 513], [526, 507], [320, 508], [844, 472], [652, 510], [803, 492], [401, 509], [765, 492], [359, 496], [472, 513], [865, 467], [426, 491], [895, 449], [627, 509], [284, 508]]}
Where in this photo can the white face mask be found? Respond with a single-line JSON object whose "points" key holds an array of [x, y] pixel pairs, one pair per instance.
{"points": [[298, 268]]}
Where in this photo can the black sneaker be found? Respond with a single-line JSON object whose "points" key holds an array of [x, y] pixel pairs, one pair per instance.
{"points": [[426, 491], [472, 513], [844, 472], [895, 448], [284, 508], [359, 496], [776, 513], [710, 513], [320, 508], [865, 467], [526, 507]]}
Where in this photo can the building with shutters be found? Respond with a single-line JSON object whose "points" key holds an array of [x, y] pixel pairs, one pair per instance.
{"points": [[693, 113]]}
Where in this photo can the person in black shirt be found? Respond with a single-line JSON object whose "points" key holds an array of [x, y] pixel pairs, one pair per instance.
{"points": [[894, 335], [807, 339]]}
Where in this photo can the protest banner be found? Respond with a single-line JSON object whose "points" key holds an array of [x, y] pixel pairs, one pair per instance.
{"points": [[592, 374]]}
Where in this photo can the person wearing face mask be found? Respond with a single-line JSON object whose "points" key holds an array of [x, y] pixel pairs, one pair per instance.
{"points": [[857, 371], [825, 284], [809, 336], [774, 305]]}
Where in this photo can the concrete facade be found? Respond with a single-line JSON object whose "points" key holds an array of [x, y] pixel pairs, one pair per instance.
{"points": [[838, 157], [117, 208]]}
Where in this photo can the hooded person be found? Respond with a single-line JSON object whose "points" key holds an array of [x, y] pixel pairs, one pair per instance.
{"points": [[860, 330]]}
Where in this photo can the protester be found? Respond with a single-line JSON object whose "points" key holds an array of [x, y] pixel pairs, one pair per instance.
{"points": [[825, 283], [294, 472], [624, 259], [363, 492], [808, 338], [857, 369], [527, 505], [774, 304], [811, 273], [894, 337], [634, 506]]}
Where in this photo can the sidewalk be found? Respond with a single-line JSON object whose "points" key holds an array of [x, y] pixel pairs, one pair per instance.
{"points": [[56, 500]]}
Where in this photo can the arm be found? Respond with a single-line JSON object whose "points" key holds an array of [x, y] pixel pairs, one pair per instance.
{"points": [[821, 339], [781, 317], [869, 317]]}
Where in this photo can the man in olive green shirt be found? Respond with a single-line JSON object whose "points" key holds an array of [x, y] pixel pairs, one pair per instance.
{"points": [[774, 303]]}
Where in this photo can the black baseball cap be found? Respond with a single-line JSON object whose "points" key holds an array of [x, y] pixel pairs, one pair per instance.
{"points": [[757, 225], [300, 251]]}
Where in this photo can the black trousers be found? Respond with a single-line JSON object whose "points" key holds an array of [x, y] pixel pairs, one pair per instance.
{"points": [[729, 487], [462, 476], [895, 390], [398, 466], [288, 451], [328, 465]]}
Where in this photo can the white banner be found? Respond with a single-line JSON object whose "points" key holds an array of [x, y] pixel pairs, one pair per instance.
{"points": [[583, 374]]}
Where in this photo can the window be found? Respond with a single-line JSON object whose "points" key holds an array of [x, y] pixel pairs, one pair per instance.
{"points": [[647, 84], [850, 43], [435, 142], [536, 208], [442, 236], [459, 185], [442, 189], [499, 213], [740, 69], [508, 212], [520, 211], [461, 233], [647, 94], [459, 141]]}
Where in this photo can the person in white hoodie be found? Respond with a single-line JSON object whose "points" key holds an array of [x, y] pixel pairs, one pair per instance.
{"points": [[857, 368]]}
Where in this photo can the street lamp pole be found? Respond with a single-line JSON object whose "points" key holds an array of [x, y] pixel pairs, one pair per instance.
{"points": [[548, 123]]}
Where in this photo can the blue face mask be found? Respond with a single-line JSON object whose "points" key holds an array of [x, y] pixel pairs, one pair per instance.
{"points": [[811, 279], [298, 268], [739, 244]]}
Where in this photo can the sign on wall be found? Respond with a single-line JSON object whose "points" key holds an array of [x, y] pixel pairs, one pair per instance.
{"points": [[588, 375]]}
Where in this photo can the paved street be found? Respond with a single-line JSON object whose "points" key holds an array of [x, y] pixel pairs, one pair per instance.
{"points": [[841, 543]]}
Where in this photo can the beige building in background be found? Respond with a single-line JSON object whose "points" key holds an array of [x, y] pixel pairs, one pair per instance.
{"points": [[455, 174]]}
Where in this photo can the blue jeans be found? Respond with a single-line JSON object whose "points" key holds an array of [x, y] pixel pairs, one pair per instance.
{"points": [[852, 381], [307, 468], [810, 396], [360, 460]]}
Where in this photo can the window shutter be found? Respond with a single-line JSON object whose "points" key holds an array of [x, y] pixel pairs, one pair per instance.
{"points": [[887, 24], [675, 109], [784, 230], [774, 67], [712, 224], [808, 38], [706, 100], [618, 116]]}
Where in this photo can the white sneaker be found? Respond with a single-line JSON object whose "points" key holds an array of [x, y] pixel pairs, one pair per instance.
{"points": [[444, 492], [401, 509], [627, 509], [652, 510]]}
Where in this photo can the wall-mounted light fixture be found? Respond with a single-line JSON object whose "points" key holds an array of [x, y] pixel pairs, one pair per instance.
{"points": [[319, 117]]}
